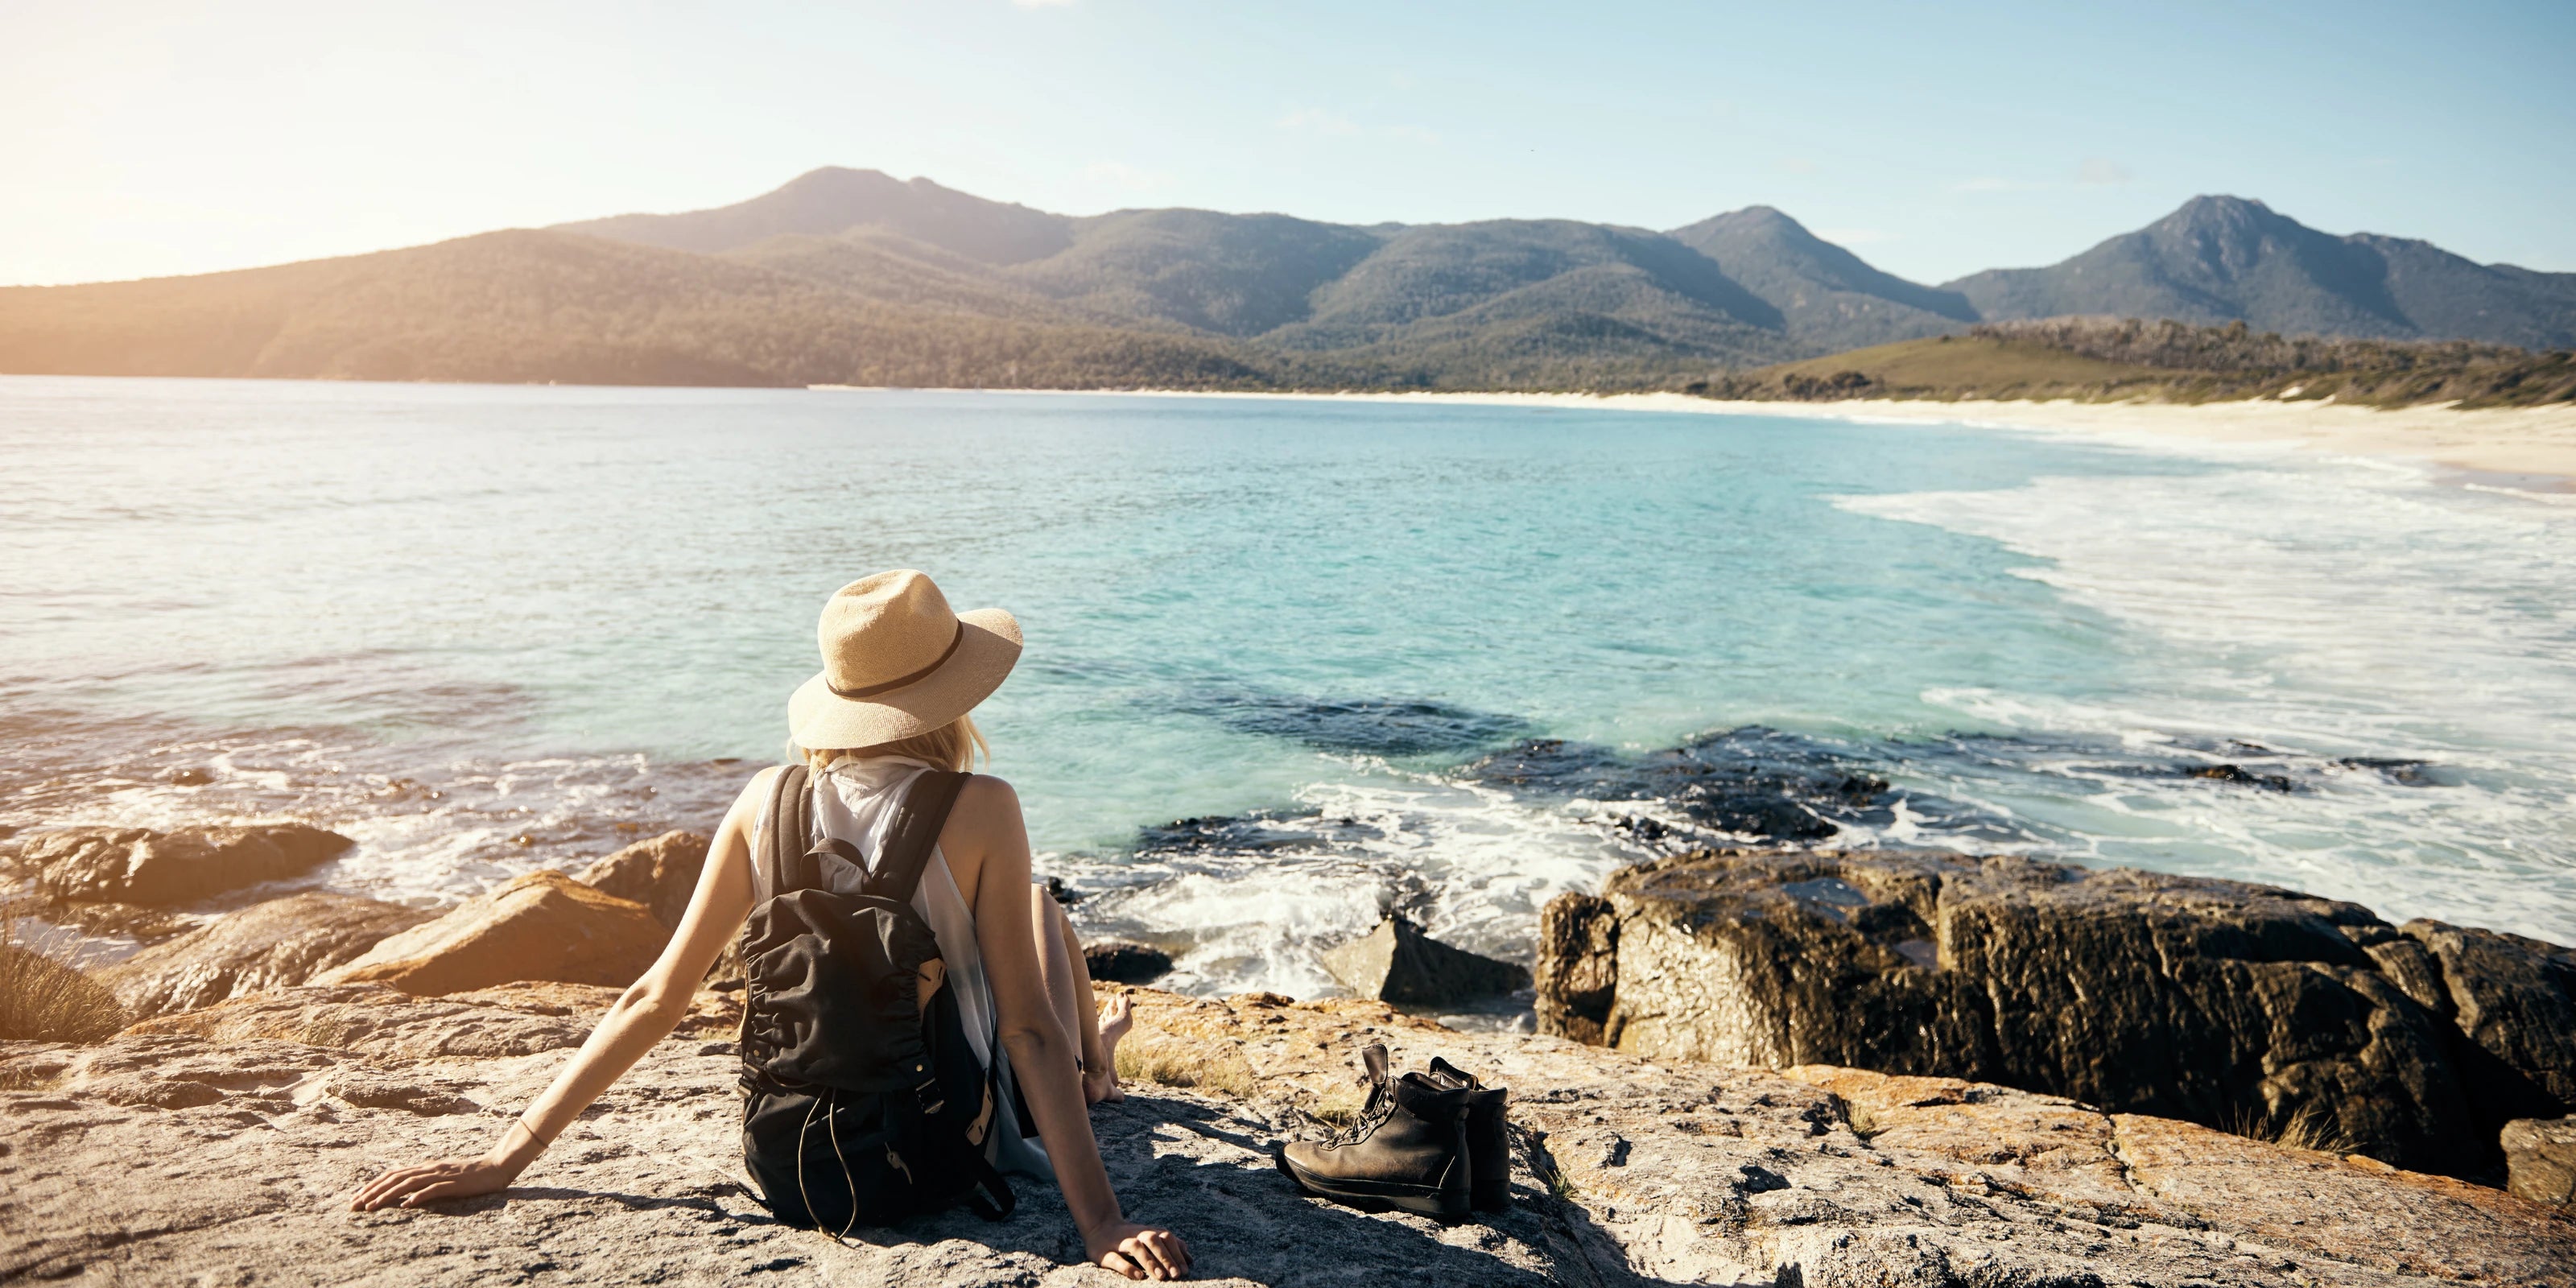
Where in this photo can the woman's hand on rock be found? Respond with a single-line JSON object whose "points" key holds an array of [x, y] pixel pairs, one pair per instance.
{"points": [[1138, 1251], [448, 1178]]}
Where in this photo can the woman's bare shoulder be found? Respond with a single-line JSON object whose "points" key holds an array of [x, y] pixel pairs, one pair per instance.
{"points": [[984, 791], [754, 795], [986, 814]]}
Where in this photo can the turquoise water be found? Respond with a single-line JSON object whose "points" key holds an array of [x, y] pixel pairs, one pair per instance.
{"points": [[483, 629]]}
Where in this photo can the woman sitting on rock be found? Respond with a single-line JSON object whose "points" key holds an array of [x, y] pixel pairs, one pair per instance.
{"points": [[858, 1112]]}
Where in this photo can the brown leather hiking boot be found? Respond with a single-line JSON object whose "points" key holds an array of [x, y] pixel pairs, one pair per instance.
{"points": [[1489, 1147], [1408, 1149]]}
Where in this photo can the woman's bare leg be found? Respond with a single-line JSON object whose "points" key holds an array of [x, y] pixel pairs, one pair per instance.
{"points": [[1068, 985]]}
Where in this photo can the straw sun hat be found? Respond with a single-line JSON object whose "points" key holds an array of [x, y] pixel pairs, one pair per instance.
{"points": [[897, 662]]}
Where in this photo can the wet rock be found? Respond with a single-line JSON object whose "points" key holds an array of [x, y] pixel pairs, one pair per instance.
{"points": [[2540, 1159], [1398, 963], [2227, 1004], [133, 920], [275, 944], [542, 926], [1625, 1173], [660, 873], [139, 866], [1751, 782], [1125, 963]]}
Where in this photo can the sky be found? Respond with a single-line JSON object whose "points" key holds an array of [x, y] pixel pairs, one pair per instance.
{"points": [[145, 139]]}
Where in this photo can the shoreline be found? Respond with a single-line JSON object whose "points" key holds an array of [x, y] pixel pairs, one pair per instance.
{"points": [[2521, 449]]}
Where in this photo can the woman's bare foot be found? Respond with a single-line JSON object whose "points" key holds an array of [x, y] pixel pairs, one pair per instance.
{"points": [[1100, 1083]]}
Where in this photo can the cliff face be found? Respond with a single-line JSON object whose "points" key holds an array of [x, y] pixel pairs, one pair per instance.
{"points": [[2247, 1007], [220, 1147]]}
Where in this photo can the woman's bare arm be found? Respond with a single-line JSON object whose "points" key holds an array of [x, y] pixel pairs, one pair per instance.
{"points": [[645, 1014], [986, 826]]}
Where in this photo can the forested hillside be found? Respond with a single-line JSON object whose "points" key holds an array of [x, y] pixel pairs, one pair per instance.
{"points": [[854, 277]]}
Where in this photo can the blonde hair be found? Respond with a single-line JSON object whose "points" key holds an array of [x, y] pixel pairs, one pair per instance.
{"points": [[956, 745]]}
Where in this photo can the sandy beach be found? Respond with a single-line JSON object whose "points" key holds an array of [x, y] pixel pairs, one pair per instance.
{"points": [[2527, 448]]}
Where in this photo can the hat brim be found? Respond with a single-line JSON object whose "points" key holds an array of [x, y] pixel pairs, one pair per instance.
{"points": [[988, 646]]}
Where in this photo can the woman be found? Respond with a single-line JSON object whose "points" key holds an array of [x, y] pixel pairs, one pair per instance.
{"points": [[900, 673]]}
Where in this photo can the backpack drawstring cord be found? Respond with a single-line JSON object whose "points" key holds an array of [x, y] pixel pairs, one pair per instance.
{"points": [[832, 1126]]}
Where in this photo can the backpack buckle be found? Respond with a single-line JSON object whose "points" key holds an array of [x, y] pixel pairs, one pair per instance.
{"points": [[928, 1094]]}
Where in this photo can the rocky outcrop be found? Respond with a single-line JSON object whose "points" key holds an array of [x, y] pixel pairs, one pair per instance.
{"points": [[1398, 963], [2252, 1008], [542, 926], [2513, 999], [660, 873], [276, 944], [139, 866], [167, 1156], [2540, 1159]]}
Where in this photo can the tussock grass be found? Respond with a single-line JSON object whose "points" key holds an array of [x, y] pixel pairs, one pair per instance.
{"points": [[1216, 1067], [43, 1000], [2310, 1128]]}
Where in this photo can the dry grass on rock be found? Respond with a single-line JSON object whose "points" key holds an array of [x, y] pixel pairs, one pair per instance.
{"points": [[43, 1000]]}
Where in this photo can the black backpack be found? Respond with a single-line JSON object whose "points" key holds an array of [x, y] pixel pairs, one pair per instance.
{"points": [[864, 1102]]}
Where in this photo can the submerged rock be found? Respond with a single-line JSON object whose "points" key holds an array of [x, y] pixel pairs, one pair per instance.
{"points": [[2247, 1007], [276, 944], [1398, 963], [542, 926], [1119, 962], [2540, 1159], [1624, 1173], [139, 866]]}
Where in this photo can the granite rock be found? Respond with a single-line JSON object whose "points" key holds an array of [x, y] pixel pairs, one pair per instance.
{"points": [[140, 866], [1398, 963], [170, 1157], [2514, 1000], [2253, 1008], [2540, 1159], [542, 926], [275, 944], [660, 873]]}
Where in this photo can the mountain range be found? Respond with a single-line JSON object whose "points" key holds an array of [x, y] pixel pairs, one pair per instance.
{"points": [[854, 277]]}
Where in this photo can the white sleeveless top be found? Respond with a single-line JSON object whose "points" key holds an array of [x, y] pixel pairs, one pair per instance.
{"points": [[854, 800]]}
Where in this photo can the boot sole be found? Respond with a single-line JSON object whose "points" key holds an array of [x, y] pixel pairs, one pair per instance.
{"points": [[1378, 1196]]}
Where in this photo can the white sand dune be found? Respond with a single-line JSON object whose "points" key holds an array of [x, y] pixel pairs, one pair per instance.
{"points": [[2538, 444]]}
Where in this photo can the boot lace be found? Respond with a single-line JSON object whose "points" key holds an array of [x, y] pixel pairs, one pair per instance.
{"points": [[1380, 1107]]}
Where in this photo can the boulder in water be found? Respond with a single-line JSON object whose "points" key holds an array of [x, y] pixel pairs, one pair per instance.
{"points": [[1398, 963], [140, 866], [542, 926], [1120, 962], [276, 944]]}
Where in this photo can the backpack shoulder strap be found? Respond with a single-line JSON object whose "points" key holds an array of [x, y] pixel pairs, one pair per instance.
{"points": [[783, 863], [908, 843]]}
